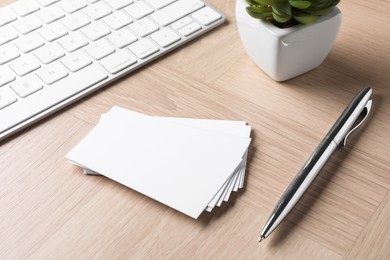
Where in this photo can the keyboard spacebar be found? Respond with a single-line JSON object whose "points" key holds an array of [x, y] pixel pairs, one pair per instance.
{"points": [[50, 96]]}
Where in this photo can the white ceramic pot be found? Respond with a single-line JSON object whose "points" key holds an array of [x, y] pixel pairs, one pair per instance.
{"points": [[287, 53]]}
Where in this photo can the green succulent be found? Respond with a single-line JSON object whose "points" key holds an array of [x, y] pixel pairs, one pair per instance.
{"points": [[285, 13]]}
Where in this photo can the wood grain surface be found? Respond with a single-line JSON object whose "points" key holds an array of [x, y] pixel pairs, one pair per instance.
{"points": [[50, 210]]}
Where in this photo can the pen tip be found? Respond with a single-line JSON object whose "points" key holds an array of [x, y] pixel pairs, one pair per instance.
{"points": [[261, 238]]}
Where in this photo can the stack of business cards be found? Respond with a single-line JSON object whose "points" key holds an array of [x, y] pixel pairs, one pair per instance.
{"points": [[190, 165]]}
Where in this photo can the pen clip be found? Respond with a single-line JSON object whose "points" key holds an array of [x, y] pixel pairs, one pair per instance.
{"points": [[366, 111]]}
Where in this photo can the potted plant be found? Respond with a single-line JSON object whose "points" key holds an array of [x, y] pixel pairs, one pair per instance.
{"points": [[287, 38]]}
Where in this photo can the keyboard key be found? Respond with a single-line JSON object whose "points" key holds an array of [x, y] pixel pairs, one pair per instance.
{"points": [[206, 16], [99, 49], [118, 20], [6, 76], [8, 53], [49, 53], [76, 61], [6, 97], [118, 4], [181, 23], [50, 14], [95, 31], [53, 31], [165, 37], [26, 85], [76, 21], [52, 73], [47, 2], [122, 38], [72, 42], [159, 3], [7, 34], [6, 17], [143, 27], [176, 11], [143, 48], [71, 6], [25, 7], [25, 65], [29, 42], [190, 29], [27, 24], [138, 10], [97, 11], [118, 61]]}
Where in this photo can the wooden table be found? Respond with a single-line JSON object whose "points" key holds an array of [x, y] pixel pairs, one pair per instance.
{"points": [[49, 209]]}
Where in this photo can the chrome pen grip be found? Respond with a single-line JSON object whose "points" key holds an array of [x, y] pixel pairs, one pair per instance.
{"points": [[300, 184]]}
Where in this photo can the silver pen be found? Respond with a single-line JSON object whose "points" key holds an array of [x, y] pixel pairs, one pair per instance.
{"points": [[346, 123]]}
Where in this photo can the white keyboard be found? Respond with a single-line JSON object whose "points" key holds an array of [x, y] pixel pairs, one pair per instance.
{"points": [[55, 52]]}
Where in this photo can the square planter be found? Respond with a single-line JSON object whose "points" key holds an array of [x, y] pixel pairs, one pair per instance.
{"points": [[287, 53]]}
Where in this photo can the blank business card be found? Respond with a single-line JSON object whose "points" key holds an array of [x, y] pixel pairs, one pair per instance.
{"points": [[190, 165]]}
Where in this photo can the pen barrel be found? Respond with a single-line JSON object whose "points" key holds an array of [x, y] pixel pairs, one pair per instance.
{"points": [[300, 184]]}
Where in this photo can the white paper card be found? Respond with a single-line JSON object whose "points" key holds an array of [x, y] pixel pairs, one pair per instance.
{"points": [[169, 160]]}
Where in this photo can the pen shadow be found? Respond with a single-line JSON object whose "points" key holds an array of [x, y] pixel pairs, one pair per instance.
{"points": [[320, 184]]}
